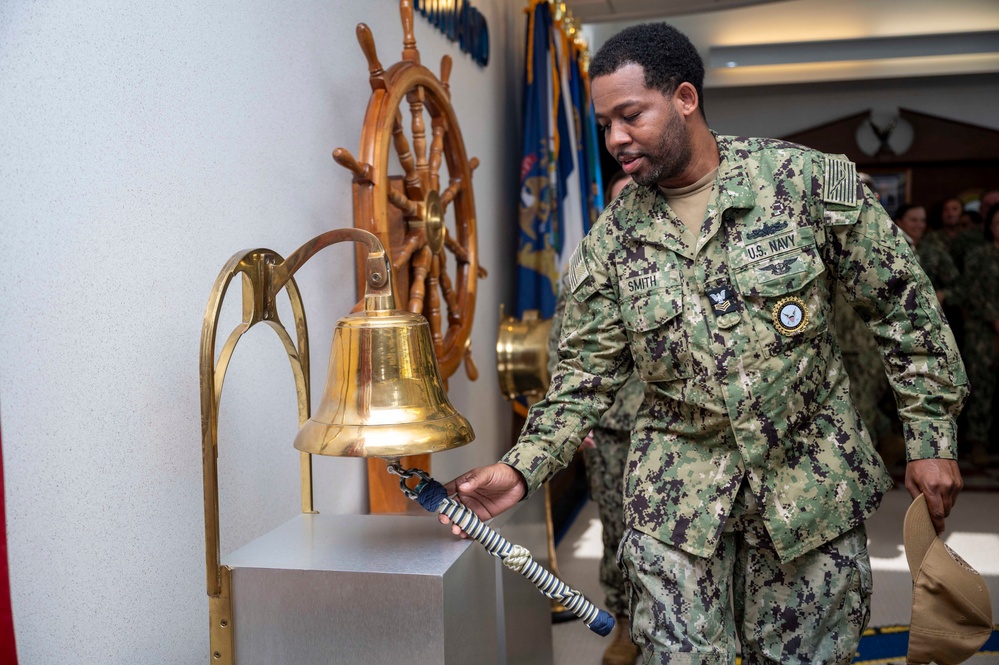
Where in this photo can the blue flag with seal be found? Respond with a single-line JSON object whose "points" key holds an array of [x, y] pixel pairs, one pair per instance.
{"points": [[537, 277]]}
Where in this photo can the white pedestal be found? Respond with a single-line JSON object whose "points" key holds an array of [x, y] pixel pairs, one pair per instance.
{"points": [[374, 589]]}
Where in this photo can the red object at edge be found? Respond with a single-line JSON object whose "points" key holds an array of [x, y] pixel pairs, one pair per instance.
{"points": [[8, 650]]}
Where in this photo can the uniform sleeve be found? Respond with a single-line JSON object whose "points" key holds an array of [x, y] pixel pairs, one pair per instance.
{"points": [[555, 332], [882, 279], [593, 363]]}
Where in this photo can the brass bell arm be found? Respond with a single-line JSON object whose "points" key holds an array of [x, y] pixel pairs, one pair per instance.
{"points": [[264, 274], [377, 270]]}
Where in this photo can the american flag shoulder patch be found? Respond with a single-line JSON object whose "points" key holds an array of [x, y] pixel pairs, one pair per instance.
{"points": [[577, 272], [840, 182]]}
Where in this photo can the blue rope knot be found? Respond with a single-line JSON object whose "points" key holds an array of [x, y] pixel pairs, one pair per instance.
{"points": [[431, 495], [603, 624]]}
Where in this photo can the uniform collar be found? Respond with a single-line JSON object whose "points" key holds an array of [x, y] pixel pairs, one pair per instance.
{"points": [[649, 220]]}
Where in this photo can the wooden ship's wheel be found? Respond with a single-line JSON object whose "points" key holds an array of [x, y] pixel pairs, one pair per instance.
{"points": [[422, 212]]}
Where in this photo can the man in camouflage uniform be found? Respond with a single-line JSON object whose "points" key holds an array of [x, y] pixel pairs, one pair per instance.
{"points": [[934, 258], [948, 239], [750, 472]]}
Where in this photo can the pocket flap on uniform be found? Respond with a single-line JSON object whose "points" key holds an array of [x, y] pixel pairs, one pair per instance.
{"points": [[652, 309], [782, 274]]}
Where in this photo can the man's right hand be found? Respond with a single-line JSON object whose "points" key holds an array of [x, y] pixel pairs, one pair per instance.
{"points": [[487, 491]]}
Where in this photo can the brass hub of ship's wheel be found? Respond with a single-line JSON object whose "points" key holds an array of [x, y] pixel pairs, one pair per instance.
{"points": [[433, 222], [414, 192]]}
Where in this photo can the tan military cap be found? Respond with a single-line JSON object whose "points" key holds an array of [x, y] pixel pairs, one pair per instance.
{"points": [[951, 607]]}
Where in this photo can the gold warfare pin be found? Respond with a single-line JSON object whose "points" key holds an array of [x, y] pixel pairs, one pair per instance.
{"points": [[790, 316]]}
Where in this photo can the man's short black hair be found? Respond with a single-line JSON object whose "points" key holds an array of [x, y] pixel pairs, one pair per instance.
{"points": [[665, 53]]}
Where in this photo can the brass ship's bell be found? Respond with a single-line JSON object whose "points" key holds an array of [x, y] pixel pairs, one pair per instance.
{"points": [[522, 355], [384, 395]]}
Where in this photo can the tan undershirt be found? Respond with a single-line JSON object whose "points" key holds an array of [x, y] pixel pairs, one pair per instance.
{"points": [[691, 202]]}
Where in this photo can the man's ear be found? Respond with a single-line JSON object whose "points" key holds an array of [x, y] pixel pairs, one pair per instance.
{"points": [[685, 98]]}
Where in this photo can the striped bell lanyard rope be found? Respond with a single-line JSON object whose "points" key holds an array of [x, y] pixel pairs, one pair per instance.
{"points": [[431, 495]]}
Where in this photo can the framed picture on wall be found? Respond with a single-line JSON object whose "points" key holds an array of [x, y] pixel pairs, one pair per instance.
{"points": [[891, 187]]}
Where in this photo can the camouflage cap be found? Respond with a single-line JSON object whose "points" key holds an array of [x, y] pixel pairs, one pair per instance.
{"points": [[951, 606]]}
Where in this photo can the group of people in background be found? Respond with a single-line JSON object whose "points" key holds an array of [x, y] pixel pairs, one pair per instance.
{"points": [[969, 288], [960, 255]]}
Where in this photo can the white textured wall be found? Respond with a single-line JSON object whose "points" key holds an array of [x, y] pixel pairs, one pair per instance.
{"points": [[141, 145]]}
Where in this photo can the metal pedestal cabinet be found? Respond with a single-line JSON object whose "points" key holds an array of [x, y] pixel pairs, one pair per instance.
{"points": [[373, 589]]}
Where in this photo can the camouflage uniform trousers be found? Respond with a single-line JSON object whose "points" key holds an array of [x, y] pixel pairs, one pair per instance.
{"points": [[688, 609], [605, 464], [980, 350]]}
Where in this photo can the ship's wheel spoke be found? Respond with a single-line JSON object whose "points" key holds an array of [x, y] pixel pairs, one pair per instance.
{"points": [[453, 188], [418, 280], [439, 126], [415, 240], [419, 132], [410, 209], [459, 252], [414, 187], [432, 307], [446, 75], [450, 297]]}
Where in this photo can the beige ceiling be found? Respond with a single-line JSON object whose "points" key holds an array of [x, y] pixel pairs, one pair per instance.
{"points": [[601, 11], [755, 22]]}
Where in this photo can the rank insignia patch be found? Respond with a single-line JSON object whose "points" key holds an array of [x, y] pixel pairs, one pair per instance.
{"points": [[790, 316], [722, 300]]}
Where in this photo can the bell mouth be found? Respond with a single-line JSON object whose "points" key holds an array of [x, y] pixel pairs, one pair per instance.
{"points": [[388, 441]]}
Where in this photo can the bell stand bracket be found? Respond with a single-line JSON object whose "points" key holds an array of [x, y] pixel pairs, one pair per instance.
{"points": [[264, 274]]}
